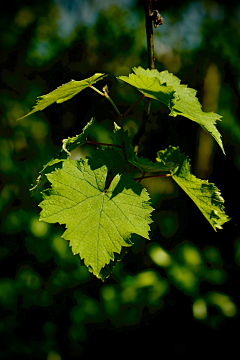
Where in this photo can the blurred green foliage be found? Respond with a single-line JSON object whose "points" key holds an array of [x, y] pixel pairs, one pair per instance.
{"points": [[45, 44]]}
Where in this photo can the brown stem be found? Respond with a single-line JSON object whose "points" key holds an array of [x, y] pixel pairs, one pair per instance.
{"points": [[142, 177], [148, 7], [131, 107], [146, 177], [98, 143]]}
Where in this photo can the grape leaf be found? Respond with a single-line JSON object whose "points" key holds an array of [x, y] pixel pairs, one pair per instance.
{"points": [[68, 145], [151, 87], [71, 143], [64, 93], [206, 195], [185, 102], [99, 221]]}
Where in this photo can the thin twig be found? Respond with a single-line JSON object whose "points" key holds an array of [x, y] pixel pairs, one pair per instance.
{"points": [[142, 177], [151, 176], [131, 107], [98, 143]]}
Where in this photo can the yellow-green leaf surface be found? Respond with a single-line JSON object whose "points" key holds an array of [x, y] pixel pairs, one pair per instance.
{"points": [[151, 87], [68, 145], [99, 221], [64, 93], [185, 102], [206, 195]]}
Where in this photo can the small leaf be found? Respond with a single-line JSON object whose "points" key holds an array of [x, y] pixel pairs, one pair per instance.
{"points": [[64, 93], [162, 165], [99, 221], [68, 145], [71, 143]]}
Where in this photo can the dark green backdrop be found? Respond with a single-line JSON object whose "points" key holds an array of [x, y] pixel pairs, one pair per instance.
{"points": [[179, 291]]}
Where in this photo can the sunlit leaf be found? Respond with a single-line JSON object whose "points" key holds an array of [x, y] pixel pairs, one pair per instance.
{"points": [[64, 93], [181, 100], [99, 221]]}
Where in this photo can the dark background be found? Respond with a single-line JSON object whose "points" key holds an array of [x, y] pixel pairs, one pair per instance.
{"points": [[51, 307]]}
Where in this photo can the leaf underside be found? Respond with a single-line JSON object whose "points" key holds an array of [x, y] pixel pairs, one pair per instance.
{"points": [[98, 221]]}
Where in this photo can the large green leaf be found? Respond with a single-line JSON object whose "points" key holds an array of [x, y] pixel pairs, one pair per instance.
{"points": [[99, 221], [206, 195], [64, 93], [68, 145], [151, 87], [185, 102]]}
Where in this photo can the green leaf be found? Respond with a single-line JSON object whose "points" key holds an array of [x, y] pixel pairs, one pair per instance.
{"points": [[64, 93], [170, 158], [110, 157], [206, 195], [99, 221], [151, 87], [71, 143], [162, 165], [185, 102], [68, 145]]}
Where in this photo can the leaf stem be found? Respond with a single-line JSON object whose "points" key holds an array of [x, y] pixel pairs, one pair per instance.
{"points": [[148, 8], [142, 177], [98, 143], [105, 94], [113, 104], [146, 177], [131, 107], [98, 91]]}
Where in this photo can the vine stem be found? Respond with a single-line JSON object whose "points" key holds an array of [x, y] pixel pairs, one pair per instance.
{"points": [[148, 8]]}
